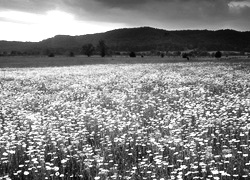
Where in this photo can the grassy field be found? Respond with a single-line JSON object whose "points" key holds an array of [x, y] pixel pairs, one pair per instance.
{"points": [[60, 61], [164, 120]]}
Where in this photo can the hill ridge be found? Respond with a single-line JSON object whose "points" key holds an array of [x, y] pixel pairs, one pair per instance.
{"points": [[140, 39]]}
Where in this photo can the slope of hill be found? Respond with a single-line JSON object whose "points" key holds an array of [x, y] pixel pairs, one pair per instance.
{"points": [[141, 39]]}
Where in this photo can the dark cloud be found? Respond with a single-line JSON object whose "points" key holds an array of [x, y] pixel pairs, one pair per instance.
{"points": [[33, 6], [169, 14], [124, 3], [191, 14]]}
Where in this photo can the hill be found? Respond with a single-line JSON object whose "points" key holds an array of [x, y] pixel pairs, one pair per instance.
{"points": [[140, 39]]}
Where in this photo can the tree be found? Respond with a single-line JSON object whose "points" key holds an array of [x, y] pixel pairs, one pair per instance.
{"points": [[88, 49], [102, 47], [218, 54], [71, 54]]}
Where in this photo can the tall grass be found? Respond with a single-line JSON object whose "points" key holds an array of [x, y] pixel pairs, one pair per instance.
{"points": [[142, 121]]}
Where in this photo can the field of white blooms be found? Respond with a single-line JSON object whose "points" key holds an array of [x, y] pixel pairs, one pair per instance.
{"points": [[188, 120]]}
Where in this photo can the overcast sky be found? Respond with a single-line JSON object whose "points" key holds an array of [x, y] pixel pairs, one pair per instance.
{"points": [[35, 20]]}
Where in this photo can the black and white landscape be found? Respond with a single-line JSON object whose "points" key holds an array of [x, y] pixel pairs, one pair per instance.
{"points": [[124, 89]]}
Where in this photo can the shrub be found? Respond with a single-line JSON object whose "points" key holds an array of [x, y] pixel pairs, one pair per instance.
{"points": [[186, 55], [218, 54], [51, 55], [132, 54]]}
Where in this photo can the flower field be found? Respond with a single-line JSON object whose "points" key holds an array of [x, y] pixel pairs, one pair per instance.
{"points": [[120, 121]]}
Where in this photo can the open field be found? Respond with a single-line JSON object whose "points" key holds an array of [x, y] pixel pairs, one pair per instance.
{"points": [[185, 120], [59, 61]]}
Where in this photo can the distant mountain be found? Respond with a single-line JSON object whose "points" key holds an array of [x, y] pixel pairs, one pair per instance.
{"points": [[140, 39]]}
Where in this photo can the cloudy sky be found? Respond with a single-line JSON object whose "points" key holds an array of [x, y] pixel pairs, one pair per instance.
{"points": [[35, 20]]}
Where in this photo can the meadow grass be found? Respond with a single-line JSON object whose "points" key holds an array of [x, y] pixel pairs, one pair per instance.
{"points": [[60, 61], [186, 120]]}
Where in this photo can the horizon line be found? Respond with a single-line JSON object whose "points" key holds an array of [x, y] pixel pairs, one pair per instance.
{"points": [[128, 28]]}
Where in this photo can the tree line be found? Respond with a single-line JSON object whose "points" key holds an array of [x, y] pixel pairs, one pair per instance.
{"points": [[89, 49], [103, 50]]}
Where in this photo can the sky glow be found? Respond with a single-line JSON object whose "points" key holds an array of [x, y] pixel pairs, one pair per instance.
{"points": [[22, 26], [33, 20]]}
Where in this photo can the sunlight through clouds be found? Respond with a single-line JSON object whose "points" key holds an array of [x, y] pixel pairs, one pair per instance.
{"points": [[34, 20], [22, 26], [20, 17], [239, 4], [236, 7], [58, 17]]}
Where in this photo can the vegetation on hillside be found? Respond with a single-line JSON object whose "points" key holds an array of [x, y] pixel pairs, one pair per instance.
{"points": [[88, 49], [102, 48], [139, 39]]}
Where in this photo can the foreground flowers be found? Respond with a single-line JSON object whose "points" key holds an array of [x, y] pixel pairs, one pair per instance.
{"points": [[160, 121]]}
